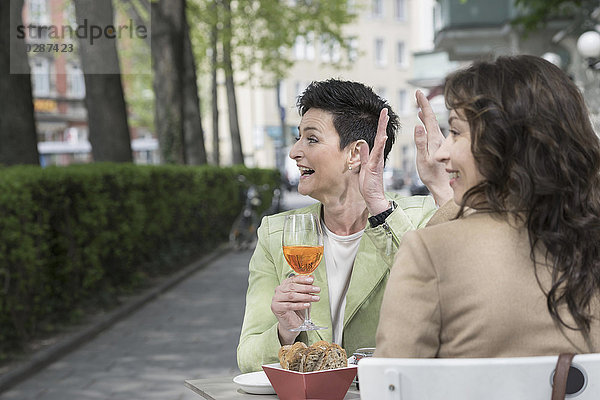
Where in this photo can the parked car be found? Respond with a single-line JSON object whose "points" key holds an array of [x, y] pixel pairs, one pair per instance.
{"points": [[393, 179], [418, 188]]}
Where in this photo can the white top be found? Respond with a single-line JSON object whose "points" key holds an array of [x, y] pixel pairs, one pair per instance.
{"points": [[339, 253]]}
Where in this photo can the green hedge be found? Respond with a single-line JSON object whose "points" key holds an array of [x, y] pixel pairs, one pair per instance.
{"points": [[75, 236]]}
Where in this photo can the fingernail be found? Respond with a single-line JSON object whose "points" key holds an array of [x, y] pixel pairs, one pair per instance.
{"points": [[309, 279], [306, 305], [315, 298], [315, 289]]}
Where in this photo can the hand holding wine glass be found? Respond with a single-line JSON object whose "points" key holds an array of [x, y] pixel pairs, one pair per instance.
{"points": [[303, 250]]}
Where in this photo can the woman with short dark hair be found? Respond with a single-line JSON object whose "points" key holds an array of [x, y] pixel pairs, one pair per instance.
{"points": [[345, 134]]}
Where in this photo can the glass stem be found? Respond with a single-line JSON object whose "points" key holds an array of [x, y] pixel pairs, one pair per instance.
{"points": [[307, 320]]}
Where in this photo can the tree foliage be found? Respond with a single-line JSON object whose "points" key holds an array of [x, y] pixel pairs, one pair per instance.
{"points": [[535, 14], [264, 31]]}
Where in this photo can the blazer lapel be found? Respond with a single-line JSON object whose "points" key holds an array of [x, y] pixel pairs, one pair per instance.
{"points": [[320, 311], [368, 271]]}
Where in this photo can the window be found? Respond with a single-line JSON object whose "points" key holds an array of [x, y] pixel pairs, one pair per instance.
{"points": [[300, 48], [304, 47], [330, 50], [40, 77], [351, 6], [38, 12], [437, 17], [310, 46], [400, 10], [298, 88], [75, 81], [402, 101], [380, 59], [69, 15], [353, 50], [401, 54], [378, 8]]}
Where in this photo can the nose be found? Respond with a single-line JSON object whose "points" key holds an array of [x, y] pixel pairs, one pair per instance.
{"points": [[294, 151], [442, 154]]}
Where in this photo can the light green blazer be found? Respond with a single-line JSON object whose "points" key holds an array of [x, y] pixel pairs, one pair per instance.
{"points": [[259, 342]]}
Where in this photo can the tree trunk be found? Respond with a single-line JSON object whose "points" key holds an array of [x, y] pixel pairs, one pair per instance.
{"points": [[18, 137], [234, 128], [195, 153], [104, 98], [135, 14], [214, 86], [167, 61]]}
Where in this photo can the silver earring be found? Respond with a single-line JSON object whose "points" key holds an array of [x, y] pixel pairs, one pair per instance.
{"points": [[350, 168]]}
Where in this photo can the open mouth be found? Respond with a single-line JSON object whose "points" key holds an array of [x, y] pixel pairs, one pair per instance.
{"points": [[306, 171]]}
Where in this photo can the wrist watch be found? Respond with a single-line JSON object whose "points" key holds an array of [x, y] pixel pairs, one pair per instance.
{"points": [[379, 219]]}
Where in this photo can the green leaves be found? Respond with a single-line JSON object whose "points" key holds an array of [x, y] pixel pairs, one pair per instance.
{"points": [[263, 32], [535, 14], [78, 236]]}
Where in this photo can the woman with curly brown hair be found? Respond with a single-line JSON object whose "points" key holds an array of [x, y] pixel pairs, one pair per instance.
{"points": [[517, 273]]}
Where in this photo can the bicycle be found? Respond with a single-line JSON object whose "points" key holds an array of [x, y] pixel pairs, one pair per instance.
{"points": [[243, 231]]}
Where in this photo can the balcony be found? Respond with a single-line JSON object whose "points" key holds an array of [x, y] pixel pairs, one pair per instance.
{"points": [[430, 69], [470, 29], [474, 28]]}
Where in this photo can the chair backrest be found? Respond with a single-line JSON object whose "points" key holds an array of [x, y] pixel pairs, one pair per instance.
{"points": [[518, 378]]}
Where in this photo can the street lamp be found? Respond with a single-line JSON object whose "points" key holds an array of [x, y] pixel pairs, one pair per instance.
{"points": [[588, 45], [553, 58]]}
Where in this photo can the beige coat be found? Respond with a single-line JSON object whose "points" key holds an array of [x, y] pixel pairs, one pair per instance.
{"points": [[467, 288]]}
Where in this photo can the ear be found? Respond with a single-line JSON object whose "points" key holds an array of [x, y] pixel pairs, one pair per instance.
{"points": [[354, 158]]}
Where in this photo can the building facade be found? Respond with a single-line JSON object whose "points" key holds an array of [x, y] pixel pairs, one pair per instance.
{"points": [[58, 89], [483, 28], [386, 34]]}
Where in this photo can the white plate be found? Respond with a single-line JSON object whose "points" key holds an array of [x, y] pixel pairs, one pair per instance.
{"points": [[255, 383]]}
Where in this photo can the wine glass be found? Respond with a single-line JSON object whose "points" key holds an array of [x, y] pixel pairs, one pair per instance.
{"points": [[303, 249]]}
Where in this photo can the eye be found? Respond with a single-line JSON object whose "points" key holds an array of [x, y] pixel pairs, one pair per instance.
{"points": [[312, 139], [296, 138], [454, 132]]}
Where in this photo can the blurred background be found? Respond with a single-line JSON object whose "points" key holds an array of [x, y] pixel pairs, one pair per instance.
{"points": [[216, 81]]}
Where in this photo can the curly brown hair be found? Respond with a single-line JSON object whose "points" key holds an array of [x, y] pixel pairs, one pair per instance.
{"points": [[533, 142]]}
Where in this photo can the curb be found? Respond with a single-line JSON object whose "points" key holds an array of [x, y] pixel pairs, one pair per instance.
{"points": [[45, 357]]}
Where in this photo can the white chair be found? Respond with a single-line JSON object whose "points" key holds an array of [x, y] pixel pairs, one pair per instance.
{"points": [[519, 378]]}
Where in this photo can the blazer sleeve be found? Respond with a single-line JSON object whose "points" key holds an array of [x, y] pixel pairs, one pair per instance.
{"points": [[412, 213], [410, 318], [259, 340]]}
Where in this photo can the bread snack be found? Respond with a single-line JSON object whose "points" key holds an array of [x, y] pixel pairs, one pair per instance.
{"points": [[319, 356]]}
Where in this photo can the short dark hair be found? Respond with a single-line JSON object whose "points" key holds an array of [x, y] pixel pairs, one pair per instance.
{"points": [[355, 108]]}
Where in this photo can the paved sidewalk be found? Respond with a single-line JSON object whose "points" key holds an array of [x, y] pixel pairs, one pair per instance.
{"points": [[189, 332]]}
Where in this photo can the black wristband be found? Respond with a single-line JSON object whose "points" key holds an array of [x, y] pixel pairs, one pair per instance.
{"points": [[379, 219]]}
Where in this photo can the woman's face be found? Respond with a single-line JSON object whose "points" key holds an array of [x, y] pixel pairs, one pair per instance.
{"points": [[456, 153], [318, 156]]}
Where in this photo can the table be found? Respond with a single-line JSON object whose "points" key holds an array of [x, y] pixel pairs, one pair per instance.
{"points": [[225, 389]]}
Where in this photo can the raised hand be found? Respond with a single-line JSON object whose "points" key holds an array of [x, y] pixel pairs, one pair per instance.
{"points": [[290, 300], [371, 169], [427, 140]]}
